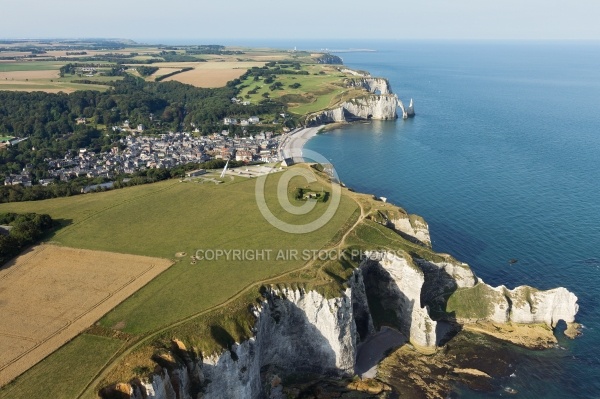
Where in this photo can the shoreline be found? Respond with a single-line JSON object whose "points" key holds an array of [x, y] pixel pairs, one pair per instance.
{"points": [[293, 143]]}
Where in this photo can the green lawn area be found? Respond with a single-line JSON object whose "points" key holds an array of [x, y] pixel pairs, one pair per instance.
{"points": [[163, 219], [67, 87], [322, 88], [30, 66], [160, 220], [4, 138], [64, 374]]}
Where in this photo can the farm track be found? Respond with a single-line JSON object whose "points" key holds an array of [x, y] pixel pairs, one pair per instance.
{"points": [[136, 343]]}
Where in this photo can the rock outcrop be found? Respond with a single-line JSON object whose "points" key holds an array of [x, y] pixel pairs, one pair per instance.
{"points": [[399, 283], [414, 227], [409, 112], [524, 305], [295, 332], [380, 107], [379, 104], [303, 331], [329, 59], [372, 85]]}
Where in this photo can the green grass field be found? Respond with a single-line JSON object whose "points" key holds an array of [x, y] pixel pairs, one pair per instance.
{"points": [[60, 376], [161, 220], [321, 89], [169, 217], [30, 66]]}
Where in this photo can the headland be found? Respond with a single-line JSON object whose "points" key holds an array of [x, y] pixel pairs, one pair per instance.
{"points": [[224, 328]]}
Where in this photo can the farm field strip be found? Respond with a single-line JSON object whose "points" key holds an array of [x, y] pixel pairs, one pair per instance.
{"points": [[50, 294]]}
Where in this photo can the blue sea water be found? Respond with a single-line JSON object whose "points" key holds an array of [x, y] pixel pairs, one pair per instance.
{"points": [[502, 160]]}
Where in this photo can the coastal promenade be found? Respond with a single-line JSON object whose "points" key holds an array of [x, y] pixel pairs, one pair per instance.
{"points": [[292, 143]]}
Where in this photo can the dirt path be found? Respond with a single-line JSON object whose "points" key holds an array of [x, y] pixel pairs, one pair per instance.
{"points": [[87, 391]]}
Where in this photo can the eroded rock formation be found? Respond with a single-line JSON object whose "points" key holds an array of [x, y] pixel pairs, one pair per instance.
{"points": [[300, 331]]}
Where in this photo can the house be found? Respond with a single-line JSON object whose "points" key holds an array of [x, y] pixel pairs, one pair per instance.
{"points": [[46, 182], [81, 121], [15, 180], [244, 122], [243, 155], [229, 121], [140, 127], [254, 119], [5, 230]]}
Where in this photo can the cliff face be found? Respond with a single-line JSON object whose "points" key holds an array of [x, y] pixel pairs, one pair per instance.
{"points": [[399, 283], [372, 85], [524, 305], [380, 107], [298, 331], [295, 332], [415, 227], [380, 104], [329, 59]]}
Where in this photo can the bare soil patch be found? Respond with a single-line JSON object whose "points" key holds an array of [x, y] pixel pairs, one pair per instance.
{"points": [[50, 294]]}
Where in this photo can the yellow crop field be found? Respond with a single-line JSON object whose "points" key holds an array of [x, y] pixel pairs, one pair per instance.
{"points": [[214, 74], [50, 294]]}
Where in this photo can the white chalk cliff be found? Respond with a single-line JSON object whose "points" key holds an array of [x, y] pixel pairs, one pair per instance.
{"points": [[416, 227], [524, 304], [379, 104], [299, 331], [380, 107], [372, 85], [399, 282], [295, 331]]}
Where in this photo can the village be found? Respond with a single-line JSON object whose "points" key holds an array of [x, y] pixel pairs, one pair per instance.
{"points": [[137, 152]]}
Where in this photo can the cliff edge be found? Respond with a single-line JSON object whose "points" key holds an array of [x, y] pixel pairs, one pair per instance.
{"points": [[398, 283], [378, 103]]}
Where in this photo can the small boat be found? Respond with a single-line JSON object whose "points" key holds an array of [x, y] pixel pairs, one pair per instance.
{"points": [[510, 390], [513, 261]]}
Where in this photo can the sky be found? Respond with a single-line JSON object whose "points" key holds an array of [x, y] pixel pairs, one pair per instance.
{"points": [[202, 20]]}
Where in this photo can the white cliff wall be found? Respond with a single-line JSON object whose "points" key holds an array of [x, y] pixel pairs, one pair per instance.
{"points": [[524, 304], [543, 306], [315, 334], [416, 228], [296, 331], [372, 85], [380, 107], [527, 305], [399, 283]]}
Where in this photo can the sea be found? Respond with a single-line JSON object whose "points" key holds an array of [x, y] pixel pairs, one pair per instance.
{"points": [[503, 161]]}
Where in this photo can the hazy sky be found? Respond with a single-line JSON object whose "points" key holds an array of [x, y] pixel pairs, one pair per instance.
{"points": [[301, 19]]}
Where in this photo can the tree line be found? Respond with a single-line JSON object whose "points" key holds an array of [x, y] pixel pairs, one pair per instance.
{"points": [[69, 188], [49, 119], [25, 230]]}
